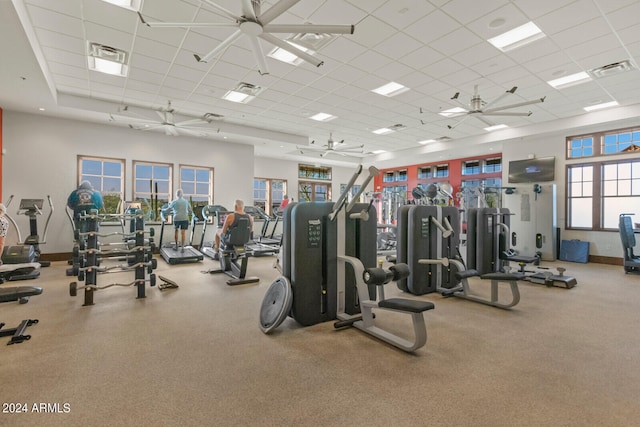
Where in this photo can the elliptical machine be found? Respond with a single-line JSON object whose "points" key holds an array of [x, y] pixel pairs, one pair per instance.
{"points": [[28, 251]]}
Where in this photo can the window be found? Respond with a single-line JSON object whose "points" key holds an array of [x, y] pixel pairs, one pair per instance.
{"points": [[580, 196], [152, 186], [620, 191], [442, 171], [389, 177], [621, 142], [268, 194], [424, 172], [604, 143], [471, 167], [492, 165], [197, 185], [314, 172], [107, 177], [401, 175], [314, 192], [580, 147]]}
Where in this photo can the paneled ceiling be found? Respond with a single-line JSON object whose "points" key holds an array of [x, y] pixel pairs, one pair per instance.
{"points": [[436, 48]]}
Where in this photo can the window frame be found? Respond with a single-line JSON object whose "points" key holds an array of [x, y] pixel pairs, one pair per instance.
{"points": [[135, 194], [189, 196], [80, 176]]}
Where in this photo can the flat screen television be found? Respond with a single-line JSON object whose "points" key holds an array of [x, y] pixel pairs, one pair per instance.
{"points": [[532, 170]]}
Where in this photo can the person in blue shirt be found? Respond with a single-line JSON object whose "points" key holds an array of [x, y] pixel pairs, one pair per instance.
{"points": [[181, 209], [84, 198]]}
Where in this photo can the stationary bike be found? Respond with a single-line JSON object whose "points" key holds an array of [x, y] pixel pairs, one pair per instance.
{"points": [[233, 256]]}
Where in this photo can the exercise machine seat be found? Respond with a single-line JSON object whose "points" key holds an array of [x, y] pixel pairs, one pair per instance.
{"points": [[628, 239], [238, 235], [19, 293]]}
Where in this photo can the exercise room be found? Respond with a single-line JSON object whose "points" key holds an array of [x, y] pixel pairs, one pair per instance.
{"points": [[320, 213]]}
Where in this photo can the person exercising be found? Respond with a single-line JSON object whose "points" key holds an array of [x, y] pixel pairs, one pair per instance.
{"points": [[4, 229], [230, 221], [181, 209], [84, 198]]}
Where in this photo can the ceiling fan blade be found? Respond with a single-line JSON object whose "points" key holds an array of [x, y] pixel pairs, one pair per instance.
{"points": [[192, 132], [483, 120], [146, 128], [506, 113], [453, 126], [495, 101], [162, 115], [276, 10], [170, 130], [309, 28], [222, 46], [259, 54], [519, 104], [222, 9], [191, 122], [247, 10], [291, 49]]}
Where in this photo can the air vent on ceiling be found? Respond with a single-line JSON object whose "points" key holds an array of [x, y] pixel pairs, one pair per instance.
{"points": [[248, 89], [444, 139], [396, 127], [108, 53], [608, 70]]}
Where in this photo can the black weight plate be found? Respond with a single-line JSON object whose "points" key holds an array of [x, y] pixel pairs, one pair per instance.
{"points": [[276, 304]]}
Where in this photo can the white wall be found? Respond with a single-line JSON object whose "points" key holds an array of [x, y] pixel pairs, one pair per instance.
{"points": [[41, 155], [603, 243]]}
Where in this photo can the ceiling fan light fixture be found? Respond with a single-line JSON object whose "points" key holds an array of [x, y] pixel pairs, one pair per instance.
{"points": [[390, 89], [495, 127], [570, 80], [323, 117], [517, 37], [601, 106]]}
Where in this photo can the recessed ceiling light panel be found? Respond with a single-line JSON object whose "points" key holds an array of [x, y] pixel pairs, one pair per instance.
{"points": [[495, 127], [390, 89], [323, 117], [570, 80], [107, 59], [517, 37], [601, 106]]}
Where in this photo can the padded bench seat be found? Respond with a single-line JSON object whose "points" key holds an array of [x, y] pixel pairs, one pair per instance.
{"points": [[403, 304], [19, 293], [501, 276]]}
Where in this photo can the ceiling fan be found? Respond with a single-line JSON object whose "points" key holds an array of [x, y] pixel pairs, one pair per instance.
{"points": [[479, 108], [255, 24], [167, 123], [333, 147]]}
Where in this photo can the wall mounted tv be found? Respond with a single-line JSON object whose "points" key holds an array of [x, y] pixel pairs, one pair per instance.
{"points": [[532, 170]]}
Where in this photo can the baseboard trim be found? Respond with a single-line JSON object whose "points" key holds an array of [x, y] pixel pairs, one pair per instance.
{"points": [[598, 259]]}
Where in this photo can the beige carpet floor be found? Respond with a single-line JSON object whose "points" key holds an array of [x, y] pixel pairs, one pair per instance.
{"points": [[195, 356]]}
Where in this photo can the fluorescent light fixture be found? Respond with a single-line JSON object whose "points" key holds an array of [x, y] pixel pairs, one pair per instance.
{"points": [[517, 37], [379, 151], [601, 106], [127, 4], [390, 89], [106, 66], [107, 59], [571, 80], [426, 141], [240, 97], [495, 127], [453, 112], [383, 131], [242, 93], [288, 57], [323, 117]]}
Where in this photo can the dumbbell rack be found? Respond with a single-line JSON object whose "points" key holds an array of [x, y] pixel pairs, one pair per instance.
{"points": [[139, 257]]}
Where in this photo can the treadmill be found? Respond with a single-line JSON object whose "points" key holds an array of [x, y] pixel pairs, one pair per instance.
{"points": [[263, 245], [176, 255]]}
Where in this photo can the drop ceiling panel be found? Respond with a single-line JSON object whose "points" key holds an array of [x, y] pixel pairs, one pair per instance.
{"points": [[498, 21], [432, 27], [371, 31], [569, 16], [464, 11], [402, 13]]}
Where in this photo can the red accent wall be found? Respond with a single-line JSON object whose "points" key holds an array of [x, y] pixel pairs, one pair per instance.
{"points": [[455, 177], [1, 156]]}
